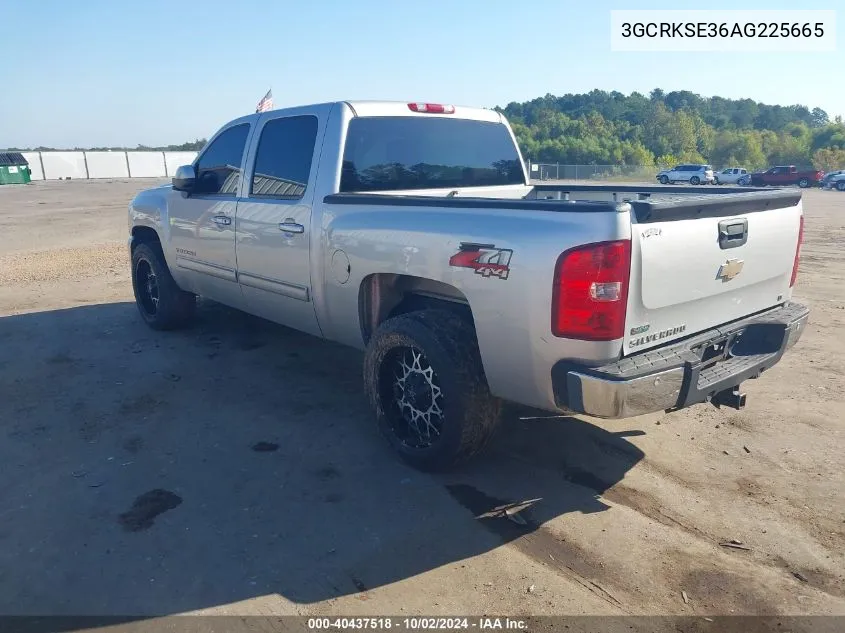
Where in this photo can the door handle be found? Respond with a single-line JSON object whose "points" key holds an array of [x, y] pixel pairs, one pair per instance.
{"points": [[289, 226], [733, 233], [222, 220]]}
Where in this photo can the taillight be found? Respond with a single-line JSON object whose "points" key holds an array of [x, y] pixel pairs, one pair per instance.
{"points": [[797, 251], [590, 295], [433, 108]]}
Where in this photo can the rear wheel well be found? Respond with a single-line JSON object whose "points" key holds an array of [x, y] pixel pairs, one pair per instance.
{"points": [[144, 235], [383, 296]]}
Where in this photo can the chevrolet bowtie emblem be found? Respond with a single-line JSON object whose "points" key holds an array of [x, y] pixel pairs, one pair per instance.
{"points": [[730, 269]]}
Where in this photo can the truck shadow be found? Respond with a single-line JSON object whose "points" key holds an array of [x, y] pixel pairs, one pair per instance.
{"points": [[155, 473]]}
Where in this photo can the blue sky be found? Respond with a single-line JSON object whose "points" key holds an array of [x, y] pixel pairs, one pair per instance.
{"points": [[123, 72]]}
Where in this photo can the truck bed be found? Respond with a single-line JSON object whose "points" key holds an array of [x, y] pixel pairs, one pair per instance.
{"points": [[699, 256], [649, 202]]}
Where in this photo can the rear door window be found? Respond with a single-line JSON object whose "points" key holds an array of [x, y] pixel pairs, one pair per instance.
{"points": [[283, 158], [399, 153]]}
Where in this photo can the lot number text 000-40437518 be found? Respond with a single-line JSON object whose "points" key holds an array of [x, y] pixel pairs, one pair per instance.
{"points": [[416, 623]]}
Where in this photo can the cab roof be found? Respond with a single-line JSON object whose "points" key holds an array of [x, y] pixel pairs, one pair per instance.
{"points": [[401, 108], [384, 108]]}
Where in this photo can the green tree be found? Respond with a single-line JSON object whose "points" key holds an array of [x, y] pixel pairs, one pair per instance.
{"points": [[667, 160], [831, 135], [819, 117], [829, 159], [608, 127]]}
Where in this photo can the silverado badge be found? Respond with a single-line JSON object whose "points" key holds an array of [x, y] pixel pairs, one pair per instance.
{"points": [[671, 332], [729, 270]]}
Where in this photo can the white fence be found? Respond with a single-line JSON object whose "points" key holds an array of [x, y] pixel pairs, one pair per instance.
{"points": [[82, 165], [620, 173], [86, 165]]}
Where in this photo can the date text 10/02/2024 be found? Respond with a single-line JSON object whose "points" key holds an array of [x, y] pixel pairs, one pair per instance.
{"points": [[417, 623]]}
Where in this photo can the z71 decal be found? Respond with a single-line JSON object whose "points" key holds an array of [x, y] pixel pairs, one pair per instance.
{"points": [[485, 259]]}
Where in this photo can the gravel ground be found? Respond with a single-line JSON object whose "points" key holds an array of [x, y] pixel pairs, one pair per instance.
{"points": [[235, 467]]}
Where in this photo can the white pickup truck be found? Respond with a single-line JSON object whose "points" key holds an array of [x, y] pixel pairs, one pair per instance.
{"points": [[411, 231], [732, 176]]}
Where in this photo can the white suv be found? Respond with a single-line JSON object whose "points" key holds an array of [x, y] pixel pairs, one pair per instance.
{"points": [[693, 174]]}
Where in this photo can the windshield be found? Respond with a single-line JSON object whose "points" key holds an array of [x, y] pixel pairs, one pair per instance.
{"points": [[395, 153]]}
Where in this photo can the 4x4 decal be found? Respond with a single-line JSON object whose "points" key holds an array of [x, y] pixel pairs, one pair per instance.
{"points": [[485, 259]]}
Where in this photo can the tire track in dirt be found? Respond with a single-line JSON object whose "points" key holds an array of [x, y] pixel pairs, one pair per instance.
{"points": [[537, 542], [649, 506], [653, 508]]}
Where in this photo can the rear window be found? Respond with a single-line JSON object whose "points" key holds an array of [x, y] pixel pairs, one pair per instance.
{"points": [[392, 153]]}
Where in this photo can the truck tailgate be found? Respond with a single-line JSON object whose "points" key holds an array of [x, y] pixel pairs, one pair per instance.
{"points": [[703, 261]]}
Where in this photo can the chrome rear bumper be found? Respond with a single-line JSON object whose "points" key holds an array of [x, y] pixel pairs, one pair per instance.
{"points": [[686, 373]]}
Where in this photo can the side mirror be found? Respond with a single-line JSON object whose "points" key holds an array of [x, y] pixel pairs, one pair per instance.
{"points": [[185, 178]]}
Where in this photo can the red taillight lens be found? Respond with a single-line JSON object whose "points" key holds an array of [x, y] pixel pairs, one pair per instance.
{"points": [[434, 108], [590, 294], [797, 251]]}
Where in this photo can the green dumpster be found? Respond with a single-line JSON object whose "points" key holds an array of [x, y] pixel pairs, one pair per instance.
{"points": [[14, 170]]}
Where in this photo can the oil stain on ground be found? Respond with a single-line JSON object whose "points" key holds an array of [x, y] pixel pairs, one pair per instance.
{"points": [[146, 508]]}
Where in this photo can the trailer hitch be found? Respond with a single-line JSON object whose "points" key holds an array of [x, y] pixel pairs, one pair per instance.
{"points": [[732, 398]]}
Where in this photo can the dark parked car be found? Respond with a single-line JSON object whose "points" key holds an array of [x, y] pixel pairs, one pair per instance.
{"points": [[828, 177], [787, 175]]}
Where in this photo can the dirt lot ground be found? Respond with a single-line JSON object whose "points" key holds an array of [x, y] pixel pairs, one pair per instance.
{"points": [[277, 496]]}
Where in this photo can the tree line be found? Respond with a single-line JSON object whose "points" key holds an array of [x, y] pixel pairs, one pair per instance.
{"points": [[610, 128]]}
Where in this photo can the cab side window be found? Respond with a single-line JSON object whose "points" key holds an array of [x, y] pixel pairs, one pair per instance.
{"points": [[283, 158], [219, 167]]}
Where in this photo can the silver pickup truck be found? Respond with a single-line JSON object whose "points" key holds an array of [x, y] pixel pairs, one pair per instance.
{"points": [[411, 231]]}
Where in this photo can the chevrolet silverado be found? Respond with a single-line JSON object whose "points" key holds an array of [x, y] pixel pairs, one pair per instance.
{"points": [[411, 231]]}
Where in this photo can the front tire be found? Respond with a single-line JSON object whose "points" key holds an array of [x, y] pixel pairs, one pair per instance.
{"points": [[664, 180], [694, 181], [804, 183], [162, 304], [425, 381], [841, 185]]}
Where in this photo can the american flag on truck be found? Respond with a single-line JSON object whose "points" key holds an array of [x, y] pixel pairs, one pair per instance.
{"points": [[266, 102]]}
